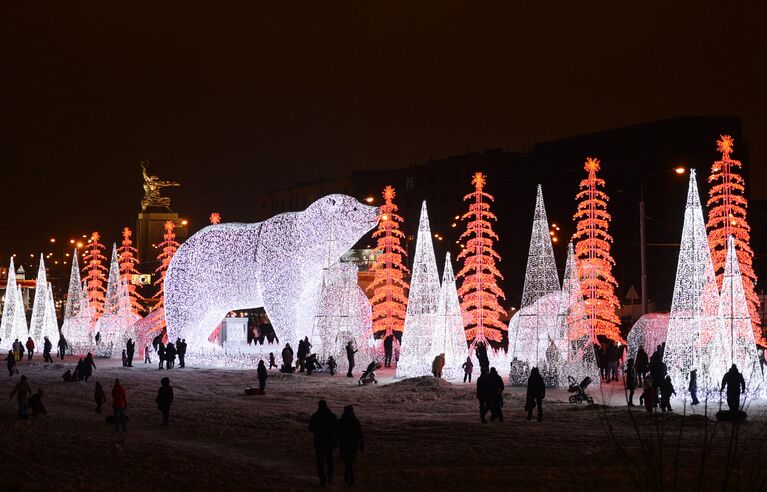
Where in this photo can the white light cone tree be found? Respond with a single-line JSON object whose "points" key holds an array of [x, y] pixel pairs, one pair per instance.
{"points": [[415, 350], [737, 333], [9, 308], [575, 337], [449, 337], [537, 324], [648, 332], [693, 340], [19, 328], [117, 324], [50, 327], [77, 326], [39, 306]]}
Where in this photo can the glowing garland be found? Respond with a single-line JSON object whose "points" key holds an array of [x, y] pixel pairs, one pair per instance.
{"points": [[38, 308], [13, 310], [116, 325], [276, 264], [78, 323], [94, 275], [127, 258], [727, 217], [449, 337], [415, 352]]}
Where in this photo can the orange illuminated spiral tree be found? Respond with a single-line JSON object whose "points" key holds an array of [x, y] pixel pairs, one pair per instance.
{"points": [[94, 273], [389, 300], [169, 247], [592, 251], [126, 256], [727, 217], [479, 290]]}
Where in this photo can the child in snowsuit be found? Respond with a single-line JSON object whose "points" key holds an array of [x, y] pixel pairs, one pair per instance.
{"points": [[647, 397], [332, 365]]}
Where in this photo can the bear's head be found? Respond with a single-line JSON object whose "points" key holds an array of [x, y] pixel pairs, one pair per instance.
{"points": [[346, 217]]}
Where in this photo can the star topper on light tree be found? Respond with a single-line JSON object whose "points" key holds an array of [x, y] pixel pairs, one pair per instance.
{"points": [[95, 275], [592, 251], [389, 299], [479, 290], [215, 218], [127, 259], [727, 217]]}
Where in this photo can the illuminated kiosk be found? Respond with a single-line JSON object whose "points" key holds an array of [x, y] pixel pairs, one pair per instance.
{"points": [[276, 264]]}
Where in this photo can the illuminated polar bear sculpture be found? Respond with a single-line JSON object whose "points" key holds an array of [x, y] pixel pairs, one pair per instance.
{"points": [[276, 264]]}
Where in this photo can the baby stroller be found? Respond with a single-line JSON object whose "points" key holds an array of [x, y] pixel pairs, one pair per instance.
{"points": [[369, 374], [579, 390]]}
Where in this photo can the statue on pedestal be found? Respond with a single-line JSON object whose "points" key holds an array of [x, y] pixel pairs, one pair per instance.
{"points": [[152, 185]]}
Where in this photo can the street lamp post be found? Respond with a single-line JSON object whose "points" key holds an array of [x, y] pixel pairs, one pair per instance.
{"points": [[643, 232]]}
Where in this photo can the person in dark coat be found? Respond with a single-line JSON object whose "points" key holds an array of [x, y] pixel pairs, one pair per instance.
{"points": [[161, 353], [631, 381], [130, 349], [10, 363], [181, 349], [693, 387], [170, 356], [468, 368], [388, 350], [272, 362], [78, 374], [262, 375], [349, 433], [332, 364], [612, 361], [119, 405], [496, 396], [323, 426], [47, 346], [287, 359], [484, 391], [35, 403], [301, 355], [599, 352], [735, 384], [63, 345], [642, 362], [536, 392], [647, 398], [30, 348], [99, 396], [310, 363], [350, 351], [88, 366], [22, 391], [666, 390], [481, 352], [164, 399]]}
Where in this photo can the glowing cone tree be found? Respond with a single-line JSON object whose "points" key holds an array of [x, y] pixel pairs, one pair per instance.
{"points": [[389, 300], [422, 300], [39, 307], [10, 308], [94, 273], [479, 289], [169, 247], [592, 251], [449, 336], [127, 259], [727, 217]]}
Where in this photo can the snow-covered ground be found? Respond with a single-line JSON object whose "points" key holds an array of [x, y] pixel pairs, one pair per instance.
{"points": [[420, 434]]}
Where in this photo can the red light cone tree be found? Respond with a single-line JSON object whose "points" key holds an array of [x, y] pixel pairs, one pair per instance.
{"points": [[479, 290], [94, 273], [592, 251], [126, 256], [169, 247], [727, 217], [389, 299]]}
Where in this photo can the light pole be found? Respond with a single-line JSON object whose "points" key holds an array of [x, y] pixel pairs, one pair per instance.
{"points": [[642, 231]]}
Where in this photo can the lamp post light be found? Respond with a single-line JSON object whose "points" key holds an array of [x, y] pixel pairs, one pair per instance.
{"points": [[643, 233]]}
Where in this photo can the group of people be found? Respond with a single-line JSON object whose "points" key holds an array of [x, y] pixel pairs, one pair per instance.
{"points": [[344, 433], [608, 357], [167, 353], [308, 362]]}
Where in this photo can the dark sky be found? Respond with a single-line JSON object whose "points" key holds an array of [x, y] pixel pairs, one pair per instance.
{"points": [[229, 99]]}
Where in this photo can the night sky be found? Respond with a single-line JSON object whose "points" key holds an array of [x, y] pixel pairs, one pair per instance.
{"points": [[228, 100]]}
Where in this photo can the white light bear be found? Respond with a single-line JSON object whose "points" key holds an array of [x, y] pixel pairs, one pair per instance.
{"points": [[276, 264]]}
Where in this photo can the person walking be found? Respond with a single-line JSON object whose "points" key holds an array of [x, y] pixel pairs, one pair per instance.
{"points": [[301, 355], [22, 391], [641, 364], [147, 352], [125, 359], [130, 349], [161, 353], [350, 351], [483, 394], [612, 362], [164, 399], [30, 348], [631, 381], [119, 405], [349, 433], [735, 384], [47, 346], [468, 368], [181, 349], [88, 366], [272, 362], [17, 348], [332, 365], [100, 396], [388, 350], [262, 375], [693, 387], [62, 345], [170, 356], [323, 424], [437, 365], [481, 352], [536, 392], [496, 396], [10, 362], [666, 390]]}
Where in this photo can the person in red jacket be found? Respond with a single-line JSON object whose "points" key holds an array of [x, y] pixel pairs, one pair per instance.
{"points": [[30, 348], [119, 404]]}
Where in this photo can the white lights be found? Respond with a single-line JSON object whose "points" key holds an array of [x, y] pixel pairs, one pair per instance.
{"points": [[14, 323], [449, 337], [422, 299], [38, 308], [649, 331], [276, 264], [116, 325]]}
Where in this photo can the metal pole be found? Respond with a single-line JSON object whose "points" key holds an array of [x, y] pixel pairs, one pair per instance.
{"points": [[643, 251]]}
